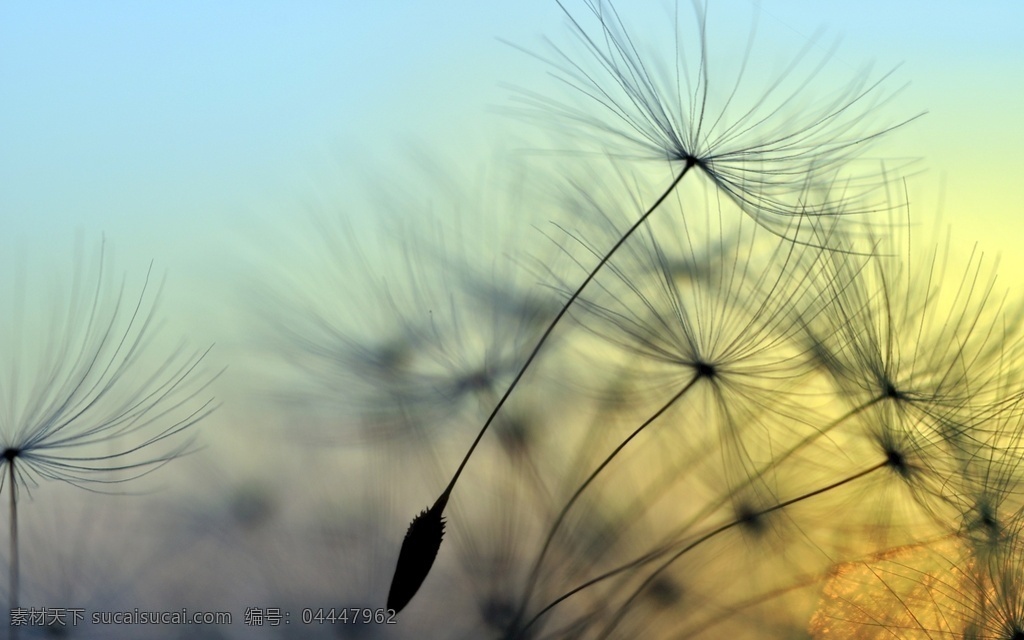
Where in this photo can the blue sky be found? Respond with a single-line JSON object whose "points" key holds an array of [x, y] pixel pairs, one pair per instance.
{"points": [[201, 135], [175, 129]]}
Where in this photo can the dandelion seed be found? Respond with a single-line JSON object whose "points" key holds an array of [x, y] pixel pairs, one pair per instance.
{"points": [[758, 144], [730, 339], [86, 409], [417, 555], [906, 334], [730, 335], [413, 348]]}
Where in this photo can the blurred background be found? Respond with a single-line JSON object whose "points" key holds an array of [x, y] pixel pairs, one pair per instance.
{"points": [[210, 139], [177, 130]]}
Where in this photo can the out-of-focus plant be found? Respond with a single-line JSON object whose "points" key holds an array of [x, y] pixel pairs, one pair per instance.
{"points": [[90, 397]]}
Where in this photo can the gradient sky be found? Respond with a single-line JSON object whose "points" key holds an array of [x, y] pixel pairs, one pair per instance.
{"points": [[202, 134], [185, 131]]}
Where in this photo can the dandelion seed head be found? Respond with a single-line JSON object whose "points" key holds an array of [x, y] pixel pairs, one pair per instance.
{"points": [[695, 294], [897, 462], [761, 140], [664, 592], [474, 382], [252, 506], [497, 612], [890, 391], [705, 369], [92, 400], [985, 529], [750, 519], [515, 433]]}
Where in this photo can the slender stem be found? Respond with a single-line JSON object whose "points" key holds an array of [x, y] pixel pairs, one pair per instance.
{"points": [[443, 499], [725, 527], [13, 594], [660, 552], [420, 566], [532, 582]]}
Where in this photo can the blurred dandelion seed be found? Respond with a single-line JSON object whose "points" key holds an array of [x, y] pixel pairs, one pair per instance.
{"points": [[86, 406]]}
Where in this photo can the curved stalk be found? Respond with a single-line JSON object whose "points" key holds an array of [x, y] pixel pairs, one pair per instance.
{"points": [[554, 322], [423, 538], [660, 552], [15, 565], [535, 571]]}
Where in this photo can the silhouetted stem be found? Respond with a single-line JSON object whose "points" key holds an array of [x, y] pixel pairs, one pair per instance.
{"points": [[532, 581], [725, 527], [653, 555], [423, 539], [565, 309], [13, 598]]}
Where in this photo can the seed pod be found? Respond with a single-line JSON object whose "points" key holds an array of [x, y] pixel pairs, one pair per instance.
{"points": [[419, 549]]}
